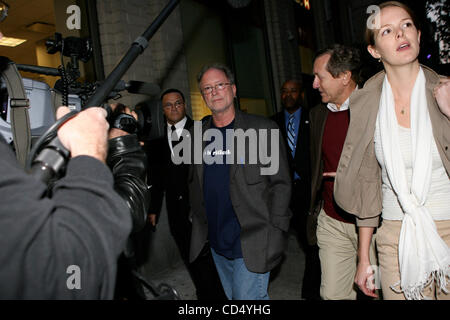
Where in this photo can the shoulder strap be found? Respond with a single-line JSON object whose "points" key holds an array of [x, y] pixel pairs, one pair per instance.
{"points": [[20, 121]]}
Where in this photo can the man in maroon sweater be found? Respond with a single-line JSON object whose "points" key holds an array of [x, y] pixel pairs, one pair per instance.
{"points": [[336, 74]]}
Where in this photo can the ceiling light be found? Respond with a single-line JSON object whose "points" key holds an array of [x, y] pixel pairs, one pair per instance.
{"points": [[11, 42]]}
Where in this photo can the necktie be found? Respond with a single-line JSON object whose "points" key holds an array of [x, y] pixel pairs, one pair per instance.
{"points": [[291, 134], [174, 140]]}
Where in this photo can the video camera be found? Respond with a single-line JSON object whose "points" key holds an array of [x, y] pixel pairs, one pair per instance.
{"points": [[36, 104], [70, 47], [68, 91], [48, 156]]}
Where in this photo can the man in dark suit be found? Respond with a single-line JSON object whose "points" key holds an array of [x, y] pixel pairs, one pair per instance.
{"points": [[172, 179], [293, 121], [238, 208]]}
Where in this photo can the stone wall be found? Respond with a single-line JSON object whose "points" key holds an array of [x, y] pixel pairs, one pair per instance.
{"points": [[162, 63]]}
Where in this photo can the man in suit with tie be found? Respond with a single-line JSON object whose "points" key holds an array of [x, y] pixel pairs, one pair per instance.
{"points": [[293, 121], [172, 179], [242, 214]]}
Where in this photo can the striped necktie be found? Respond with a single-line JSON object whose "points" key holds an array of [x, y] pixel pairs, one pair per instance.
{"points": [[291, 134]]}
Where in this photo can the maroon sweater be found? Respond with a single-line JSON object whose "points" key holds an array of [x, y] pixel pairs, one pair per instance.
{"points": [[336, 127]]}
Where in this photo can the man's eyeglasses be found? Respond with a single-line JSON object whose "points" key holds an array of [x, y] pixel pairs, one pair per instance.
{"points": [[177, 104], [3, 10], [218, 87]]}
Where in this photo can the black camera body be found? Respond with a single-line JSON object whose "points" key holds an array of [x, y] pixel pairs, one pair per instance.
{"points": [[70, 46], [44, 100]]}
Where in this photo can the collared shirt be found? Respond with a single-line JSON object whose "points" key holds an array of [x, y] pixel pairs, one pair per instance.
{"points": [[333, 108], [178, 129], [297, 117]]}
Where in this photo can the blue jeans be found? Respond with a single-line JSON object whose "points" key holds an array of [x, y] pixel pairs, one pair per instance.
{"points": [[238, 282]]}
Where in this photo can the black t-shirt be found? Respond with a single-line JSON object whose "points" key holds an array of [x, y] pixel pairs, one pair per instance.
{"points": [[223, 225]]}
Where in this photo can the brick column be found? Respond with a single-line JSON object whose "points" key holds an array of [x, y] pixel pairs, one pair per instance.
{"points": [[162, 63], [283, 42]]}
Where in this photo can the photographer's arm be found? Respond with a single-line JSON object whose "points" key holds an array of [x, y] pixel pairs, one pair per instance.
{"points": [[128, 162], [64, 246]]}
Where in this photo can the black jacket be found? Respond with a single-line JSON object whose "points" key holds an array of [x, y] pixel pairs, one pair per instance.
{"points": [[128, 163], [300, 163], [164, 176], [83, 226]]}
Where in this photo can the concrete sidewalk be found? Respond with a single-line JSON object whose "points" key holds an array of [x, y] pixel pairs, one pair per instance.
{"points": [[285, 282]]}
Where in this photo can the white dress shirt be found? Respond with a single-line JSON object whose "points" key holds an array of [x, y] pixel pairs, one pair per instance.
{"points": [[178, 129]]}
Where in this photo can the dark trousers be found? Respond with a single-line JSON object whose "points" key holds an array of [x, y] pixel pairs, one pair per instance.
{"points": [[299, 206], [205, 277], [203, 271]]}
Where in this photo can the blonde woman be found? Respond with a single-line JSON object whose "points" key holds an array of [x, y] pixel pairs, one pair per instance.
{"points": [[395, 163]]}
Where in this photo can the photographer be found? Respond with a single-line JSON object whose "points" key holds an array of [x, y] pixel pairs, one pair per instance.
{"points": [[66, 246]]}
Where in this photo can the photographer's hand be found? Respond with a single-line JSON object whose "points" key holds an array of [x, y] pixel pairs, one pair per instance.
{"points": [[114, 132], [86, 133]]}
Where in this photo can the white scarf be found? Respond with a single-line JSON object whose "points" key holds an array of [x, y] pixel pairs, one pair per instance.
{"points": [[423, 255]]}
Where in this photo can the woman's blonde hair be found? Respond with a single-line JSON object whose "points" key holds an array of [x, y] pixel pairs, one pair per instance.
{"points": [[370, 32]]}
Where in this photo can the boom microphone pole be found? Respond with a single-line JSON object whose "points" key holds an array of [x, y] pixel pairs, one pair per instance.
{"points": [[50, 161], [138, 46]]}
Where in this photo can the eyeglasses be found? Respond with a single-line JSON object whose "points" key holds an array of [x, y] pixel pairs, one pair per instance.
{"points": [[177, 104], [218, 87], [3, 10]]}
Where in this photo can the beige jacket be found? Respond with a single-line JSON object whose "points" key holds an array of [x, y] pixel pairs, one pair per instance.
{"points": [[357, 187]]}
